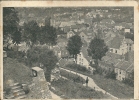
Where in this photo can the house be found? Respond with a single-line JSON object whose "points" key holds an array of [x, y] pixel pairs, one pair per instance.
{"points": [[122, 25], [123, 70], [62, 41], [61, 52], [107, 21], [120, 45], [67, 23], [87, 35], [70, 34], [83, 59]]}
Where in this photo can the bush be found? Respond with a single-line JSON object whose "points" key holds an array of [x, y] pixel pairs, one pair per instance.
{"points": [[111, 75], [71, 76], [77, 67], [128, 82]]}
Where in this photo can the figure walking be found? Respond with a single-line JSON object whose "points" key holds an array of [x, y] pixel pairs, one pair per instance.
{"points": [[87, 81]]}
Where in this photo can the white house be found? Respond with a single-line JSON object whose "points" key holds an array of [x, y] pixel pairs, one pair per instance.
{"points": [[120, 45], [123, 69], [83, 59]]}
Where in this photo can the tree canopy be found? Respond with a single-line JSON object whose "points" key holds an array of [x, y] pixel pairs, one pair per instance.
{"points": [[42, 55], [74, 45], [31, 31], [47, 34], [97, 48], [11, 27]]}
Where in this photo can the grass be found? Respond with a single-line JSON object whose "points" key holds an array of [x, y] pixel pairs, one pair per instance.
{"points": [[69, 90], [13, 70], [71, 76], [114, 87]]}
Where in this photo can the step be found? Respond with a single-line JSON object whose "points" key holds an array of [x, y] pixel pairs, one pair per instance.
{"points": [[15, 87], [15, 84], [10, 97], [17, 90], [20, 97], [20, 93]]}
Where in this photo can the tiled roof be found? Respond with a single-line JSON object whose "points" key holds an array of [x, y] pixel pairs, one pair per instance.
{"points": [[106, 20], [116, 42], [113, 55], [63, 24], [129, 41], [129, 56], [125, 65]]}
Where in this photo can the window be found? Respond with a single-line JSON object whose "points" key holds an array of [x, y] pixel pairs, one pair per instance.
{"points": [[115, 51], [120, 72], [111, 50], [80, 59], [129, 48]]}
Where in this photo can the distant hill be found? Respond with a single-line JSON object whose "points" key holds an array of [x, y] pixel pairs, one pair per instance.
{"points": [[16, 71]]}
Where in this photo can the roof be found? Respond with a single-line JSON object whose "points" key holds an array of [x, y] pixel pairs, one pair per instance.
{"points": [[88, 32], [125, 65], [37, 68], [106, 20], [66, 29], [85, 54], [128, 41], [63, 24], [113, 55], [123, 24], [129, 56], [116, 42]]}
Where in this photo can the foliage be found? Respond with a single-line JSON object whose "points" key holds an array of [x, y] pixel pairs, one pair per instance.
{"points": [[71, 76], [47, 34], [74, 45], [11, 25], [130, 36], [130, 80], [71, 90], [42, 55], [111, 75], [97, 48], [30, 33], [77, 67]]}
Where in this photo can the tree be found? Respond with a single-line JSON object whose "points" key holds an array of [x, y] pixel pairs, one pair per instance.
{"points": [[74, 45], [42, 55], [31, 31], [11, 27], [48, 34], [97, 49]]}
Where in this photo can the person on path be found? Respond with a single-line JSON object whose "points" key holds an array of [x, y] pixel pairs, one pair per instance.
{"points": [[87, 81]]}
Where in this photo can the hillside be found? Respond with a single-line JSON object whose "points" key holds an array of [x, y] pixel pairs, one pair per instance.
{"points": [[16, 71]]}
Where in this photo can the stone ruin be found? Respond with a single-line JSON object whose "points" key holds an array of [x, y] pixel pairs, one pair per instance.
{"points": [[38, 89]]}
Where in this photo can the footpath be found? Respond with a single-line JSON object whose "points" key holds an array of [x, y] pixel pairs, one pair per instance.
{"points": [[91, 83]]}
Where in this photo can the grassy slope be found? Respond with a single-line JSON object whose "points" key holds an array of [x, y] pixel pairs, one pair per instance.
{"points": [[16, 71], [114, 87], [74, 90]]}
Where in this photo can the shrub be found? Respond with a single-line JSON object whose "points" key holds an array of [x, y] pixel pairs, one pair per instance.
{"points": [[128, 82], [77, 67], [111, 75], [71, 76]]}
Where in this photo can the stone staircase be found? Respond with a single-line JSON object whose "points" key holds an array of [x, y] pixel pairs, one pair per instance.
{"points": [[17, 92]]}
